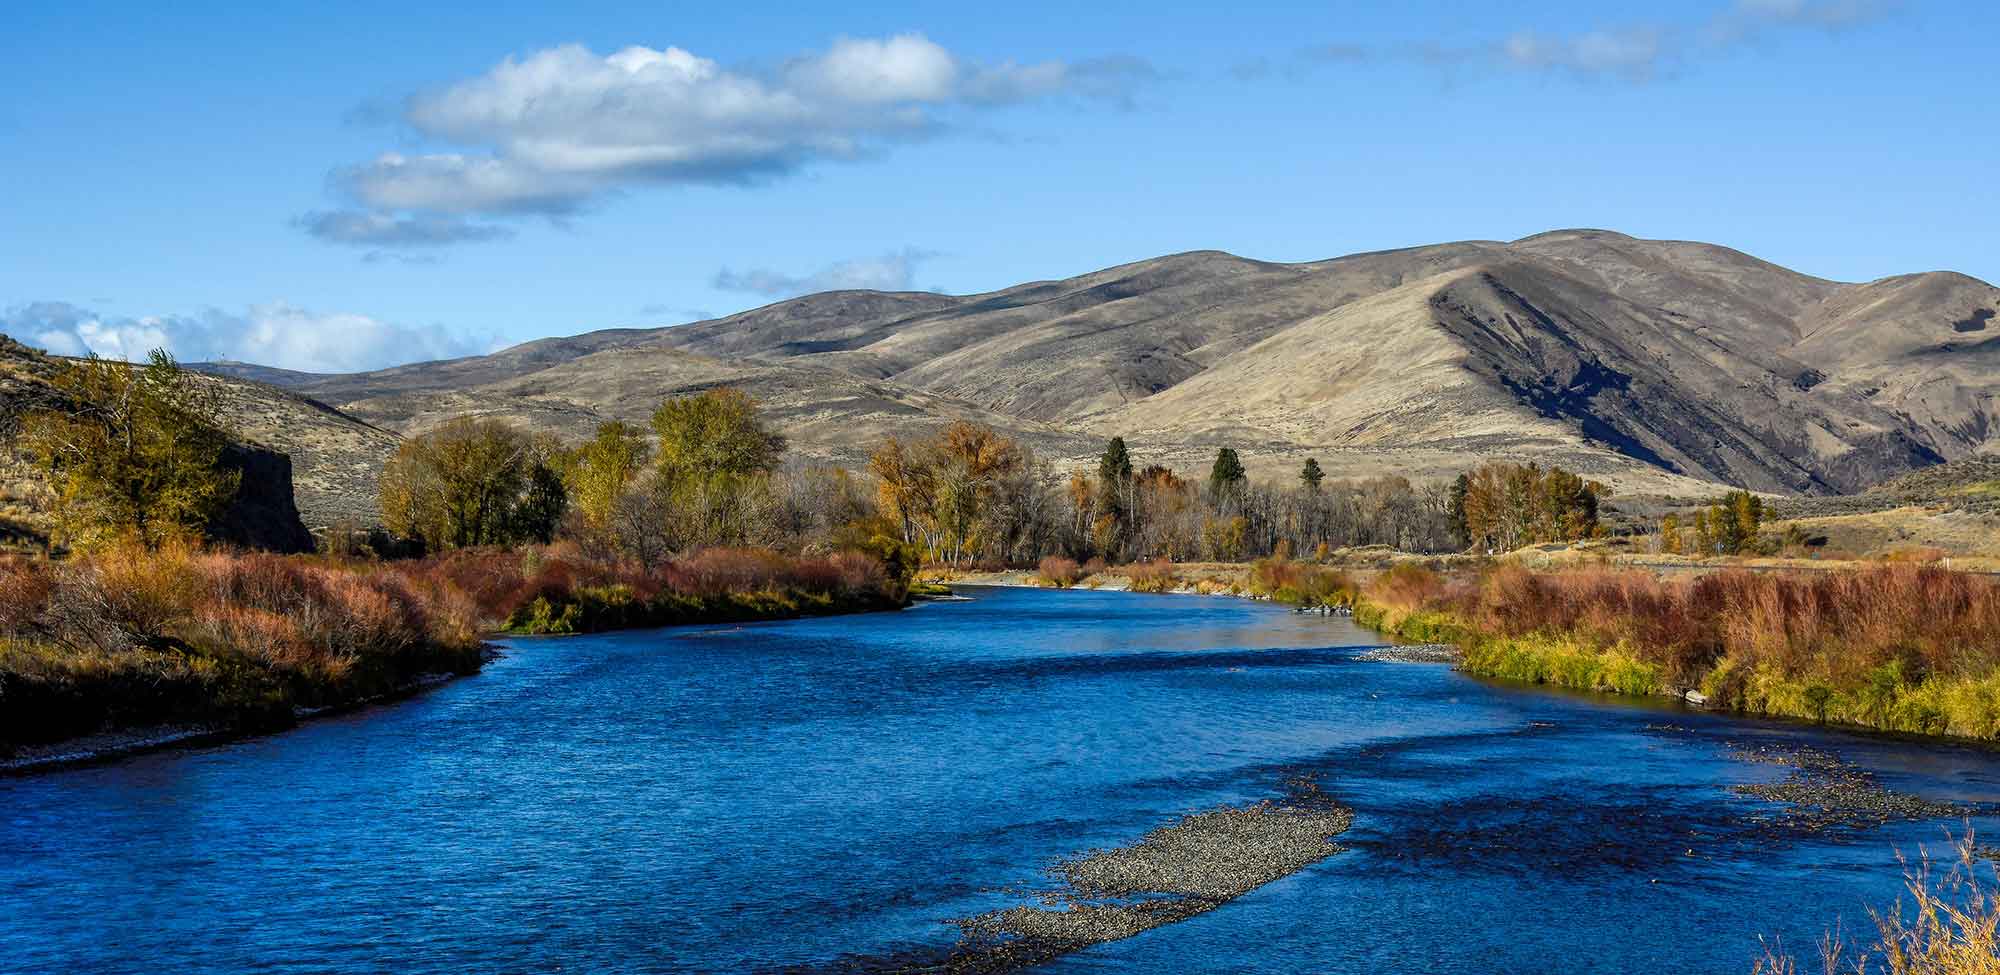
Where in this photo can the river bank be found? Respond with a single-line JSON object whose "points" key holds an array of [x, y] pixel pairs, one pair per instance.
{"points": [[111, 745], [128, 650], [115, 743], [1900, 648]]}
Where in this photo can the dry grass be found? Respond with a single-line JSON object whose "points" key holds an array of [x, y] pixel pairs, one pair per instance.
{"points": [[1952, 926], [131, 637], [1906, 646]]}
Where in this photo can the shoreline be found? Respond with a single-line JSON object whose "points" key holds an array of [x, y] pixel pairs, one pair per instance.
{"points": [[1401, 649], [111, 745], [108, 746]]}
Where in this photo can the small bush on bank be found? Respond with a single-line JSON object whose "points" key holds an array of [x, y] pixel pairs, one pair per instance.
{"points": [[1155, 576], [1301, 584], [1058, 572]]}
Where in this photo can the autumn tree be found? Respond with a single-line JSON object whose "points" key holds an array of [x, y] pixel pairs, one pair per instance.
{"points": [[1502, 506], [942, 491], [1670, 535], [716, 432], [473, 481], [1728, 527], [600, 470], [130, 453], [711, 472]]}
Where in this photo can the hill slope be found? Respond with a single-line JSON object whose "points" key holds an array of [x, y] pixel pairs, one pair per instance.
{"points": [[1656, 365]]}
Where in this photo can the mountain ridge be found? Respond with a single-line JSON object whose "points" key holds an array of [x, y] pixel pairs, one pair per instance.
{"points": [[1656, 364]]}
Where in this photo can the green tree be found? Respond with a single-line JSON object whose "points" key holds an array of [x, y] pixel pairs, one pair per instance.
{"points": [[1226, 478], [131, 453], [714, 433], [1731, 525], [1310, 475], [1115, 467], [471, 482], [712, 467], [598, 472], [545, 499], [1461, 532]]}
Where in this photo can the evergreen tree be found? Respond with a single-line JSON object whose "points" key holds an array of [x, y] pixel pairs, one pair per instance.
{"points": [[1115, 467], [1227, 476], [1310, 475]]}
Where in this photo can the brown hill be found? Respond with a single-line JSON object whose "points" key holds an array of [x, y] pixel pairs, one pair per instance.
{"points": [[1656, 365]]}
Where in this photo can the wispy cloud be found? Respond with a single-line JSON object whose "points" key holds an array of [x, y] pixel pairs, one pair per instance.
{"points": [[1636, 52], [894, 271], [273, 334], [361, 228], [550, 133]]}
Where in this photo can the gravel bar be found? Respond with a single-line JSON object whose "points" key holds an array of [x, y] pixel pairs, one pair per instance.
{"points": [[1182, 869], [1415, 653], [1825, 790]]}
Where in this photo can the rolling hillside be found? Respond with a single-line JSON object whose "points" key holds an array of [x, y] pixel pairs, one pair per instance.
{"points": [[1655, 365]]}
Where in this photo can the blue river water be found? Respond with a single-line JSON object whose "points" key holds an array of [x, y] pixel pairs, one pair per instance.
{"points": [[826, 794]]}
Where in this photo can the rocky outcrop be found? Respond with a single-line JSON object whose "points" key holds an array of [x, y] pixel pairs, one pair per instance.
{"points": [[264, 515]]}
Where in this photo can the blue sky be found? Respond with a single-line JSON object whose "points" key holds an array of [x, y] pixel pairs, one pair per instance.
{"points": [[346, 186]]}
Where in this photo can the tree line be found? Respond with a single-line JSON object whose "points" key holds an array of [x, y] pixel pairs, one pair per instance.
{"points": [[136, 453]]}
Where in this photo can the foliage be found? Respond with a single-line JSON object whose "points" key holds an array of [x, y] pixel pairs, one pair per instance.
{"points": [[1728, 527], [1502, 506], [1227, 476], [714, 434], [473, 482], [1900, 647], [598, 471], [131, 454], [1310, 475], [1155, 576], [950, 494], [129, 636], [562, 592], [1057, 572], [1952, 926], [1301, 584], [1115, 467]]}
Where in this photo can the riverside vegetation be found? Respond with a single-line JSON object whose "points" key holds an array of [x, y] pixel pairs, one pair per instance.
{"points": [[142, 624], [1900, 647]]}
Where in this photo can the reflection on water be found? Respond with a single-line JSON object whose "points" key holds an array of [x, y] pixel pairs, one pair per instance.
{"points": [[797, 794]]}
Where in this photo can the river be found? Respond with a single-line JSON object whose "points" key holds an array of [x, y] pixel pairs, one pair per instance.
{"points": [[826, 794]]}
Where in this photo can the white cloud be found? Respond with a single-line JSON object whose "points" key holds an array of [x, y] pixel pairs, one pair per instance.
{"points": [[274, 334], [894, 271], [551, 131]]}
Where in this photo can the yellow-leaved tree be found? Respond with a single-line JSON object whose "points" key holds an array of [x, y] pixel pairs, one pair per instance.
{"points": [[131, 453]]}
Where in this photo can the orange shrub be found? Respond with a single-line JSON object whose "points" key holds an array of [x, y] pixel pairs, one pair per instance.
{"points": [[1059, 572]]}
